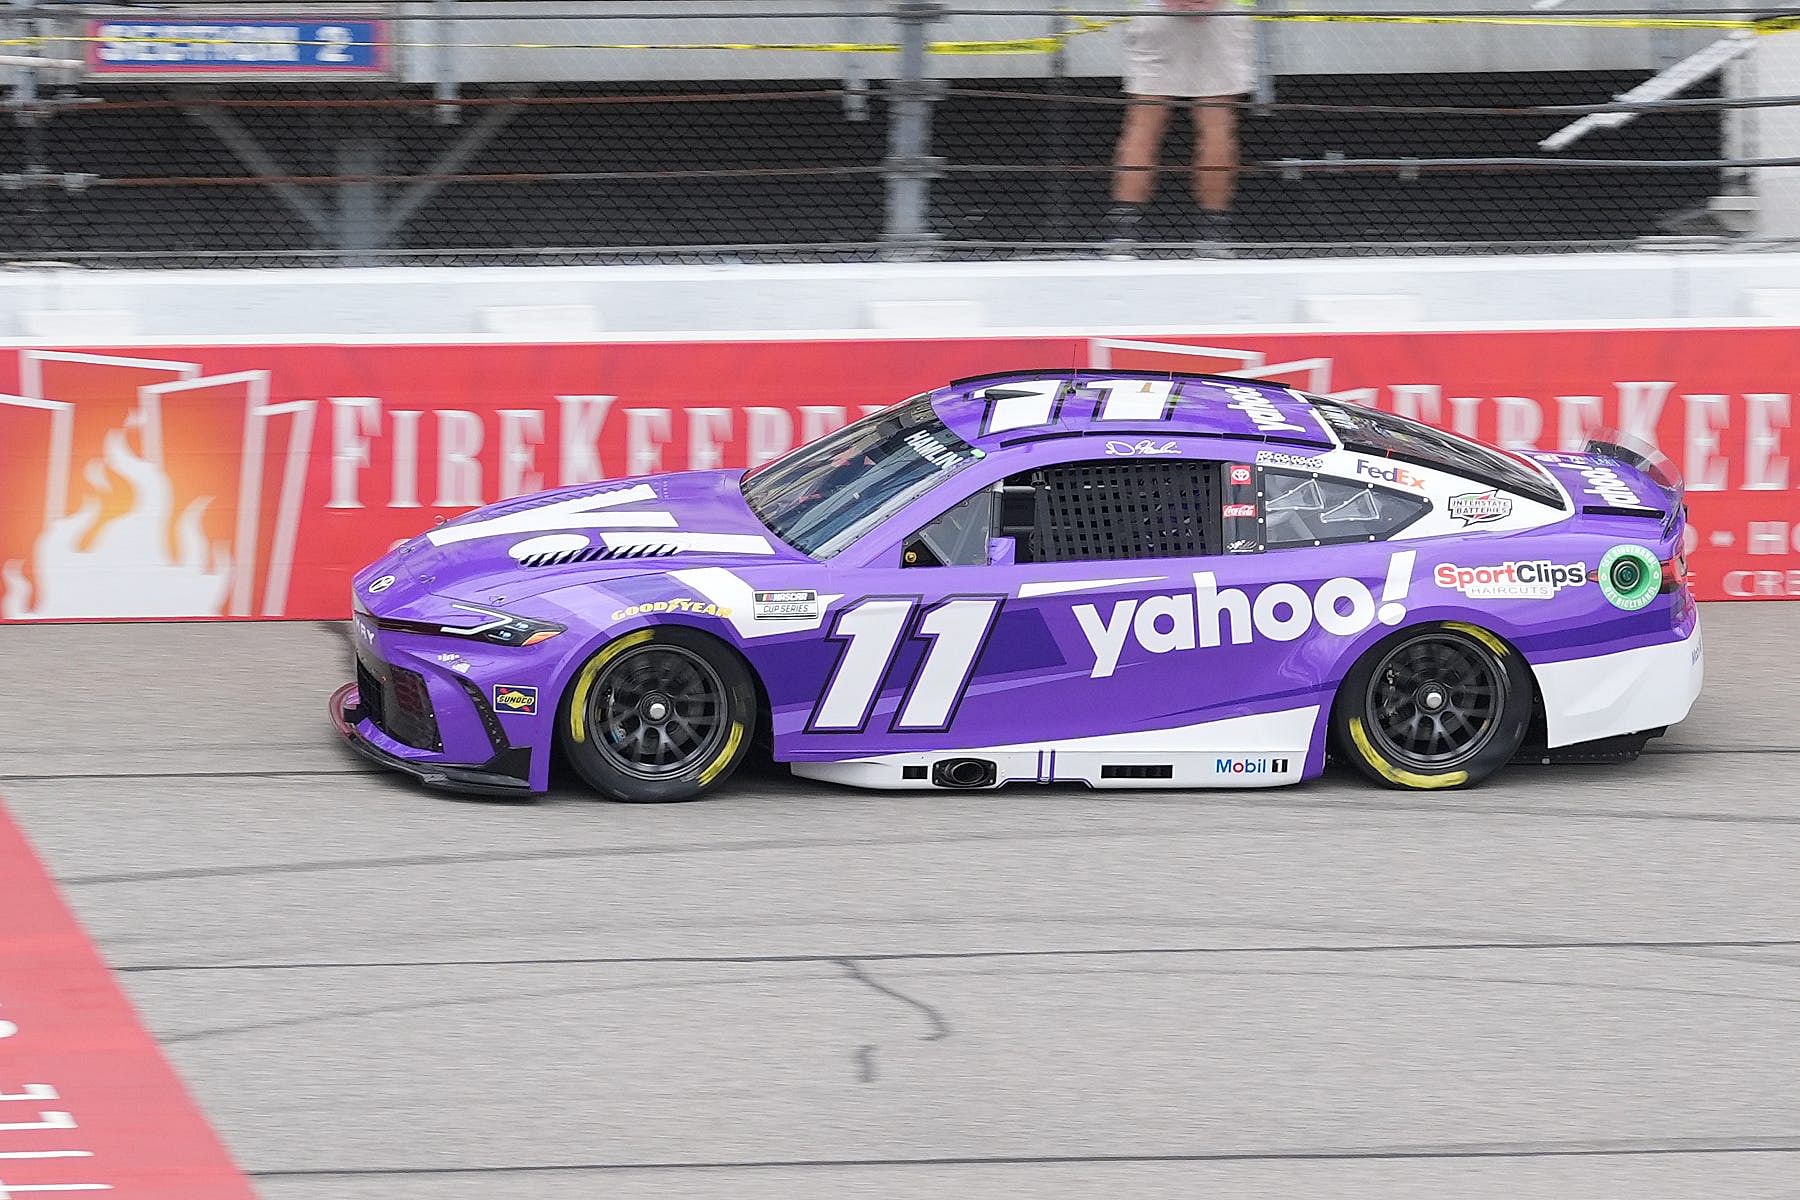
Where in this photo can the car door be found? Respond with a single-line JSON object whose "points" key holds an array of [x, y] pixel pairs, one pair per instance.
{"points": [[1087, 605]]}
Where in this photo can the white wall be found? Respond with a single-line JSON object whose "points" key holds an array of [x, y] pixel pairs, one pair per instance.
{"points": [[50, 305]]}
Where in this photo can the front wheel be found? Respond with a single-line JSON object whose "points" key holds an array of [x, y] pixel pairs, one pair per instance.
{"points": [[1439, 707], [658, 715]]}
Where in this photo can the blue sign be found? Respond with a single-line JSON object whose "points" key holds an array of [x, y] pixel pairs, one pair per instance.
{"points": [[259, 48]]}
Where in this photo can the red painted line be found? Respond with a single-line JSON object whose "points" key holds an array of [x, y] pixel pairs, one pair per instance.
{"points": [[88, 1104]]}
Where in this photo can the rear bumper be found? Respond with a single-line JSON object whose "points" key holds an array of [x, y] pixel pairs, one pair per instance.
{"points": [[1587, 699], [506, 774]]}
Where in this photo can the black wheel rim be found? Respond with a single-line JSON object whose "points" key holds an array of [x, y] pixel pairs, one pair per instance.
{"points": [[659, 712], [1435, 701]]}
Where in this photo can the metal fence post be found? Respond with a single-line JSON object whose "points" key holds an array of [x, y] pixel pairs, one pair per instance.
{"points": [[909, 167], [444, 67]]}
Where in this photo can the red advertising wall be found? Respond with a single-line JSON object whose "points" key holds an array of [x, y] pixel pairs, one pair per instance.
{"points": [[252, 481]]}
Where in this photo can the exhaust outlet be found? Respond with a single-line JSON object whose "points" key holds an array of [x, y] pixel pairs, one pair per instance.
{"points": [[963, 773]]}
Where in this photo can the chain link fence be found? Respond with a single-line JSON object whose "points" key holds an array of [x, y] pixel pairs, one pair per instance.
{"points": [[447, 131]]}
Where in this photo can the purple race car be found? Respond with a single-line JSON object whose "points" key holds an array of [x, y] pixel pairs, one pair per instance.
{"points": [[1116, 578]]}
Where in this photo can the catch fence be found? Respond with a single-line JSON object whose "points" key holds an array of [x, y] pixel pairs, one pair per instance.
{"points": [[448, 131]]}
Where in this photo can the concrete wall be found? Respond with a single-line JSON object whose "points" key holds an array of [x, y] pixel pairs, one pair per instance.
{"points": [[64, 305]]}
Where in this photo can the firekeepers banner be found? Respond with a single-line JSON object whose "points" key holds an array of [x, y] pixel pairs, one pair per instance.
{"points": [[252, 481]]}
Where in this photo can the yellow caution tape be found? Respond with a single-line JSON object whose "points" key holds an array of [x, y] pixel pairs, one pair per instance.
{"points": [[1047, 44]]}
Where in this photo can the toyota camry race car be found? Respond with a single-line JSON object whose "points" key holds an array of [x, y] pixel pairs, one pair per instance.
{"points": [[1114, 578]]}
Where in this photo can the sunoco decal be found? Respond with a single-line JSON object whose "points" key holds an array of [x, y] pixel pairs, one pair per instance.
{"points": [[514, 699], [1478, 508], [1539, 580], [1210, 615]]}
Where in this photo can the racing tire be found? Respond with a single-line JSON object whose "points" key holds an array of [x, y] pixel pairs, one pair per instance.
{"points": [[658, 716], [1437, 706]]}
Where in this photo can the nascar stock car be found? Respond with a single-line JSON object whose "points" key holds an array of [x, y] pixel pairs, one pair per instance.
{"points": [[1113, 578]]}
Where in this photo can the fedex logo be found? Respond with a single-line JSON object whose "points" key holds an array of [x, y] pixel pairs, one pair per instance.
{"points": [[1396, 475]]}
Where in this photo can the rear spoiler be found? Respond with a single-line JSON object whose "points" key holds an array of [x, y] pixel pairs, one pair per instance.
{"points": [[1646, 460]]}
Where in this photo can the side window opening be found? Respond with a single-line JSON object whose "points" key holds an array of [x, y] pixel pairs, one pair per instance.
{"points": [[1101, 511], [1307, 510], [958, 538]]}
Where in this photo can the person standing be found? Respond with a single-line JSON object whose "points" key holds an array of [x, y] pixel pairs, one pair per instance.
{"points": [[1183, 50]]}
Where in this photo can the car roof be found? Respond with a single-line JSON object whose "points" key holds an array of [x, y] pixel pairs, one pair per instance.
{"points": [[1011, 407]]}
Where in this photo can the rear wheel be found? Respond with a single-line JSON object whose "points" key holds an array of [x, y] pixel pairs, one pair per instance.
{"points": [[658, 716], [1439, 707]]}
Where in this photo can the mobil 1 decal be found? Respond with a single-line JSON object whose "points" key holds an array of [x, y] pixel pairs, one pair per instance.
{"points": [[1208, 616], [871, 635]]}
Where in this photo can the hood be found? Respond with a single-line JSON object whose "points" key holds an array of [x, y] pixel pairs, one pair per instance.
{"points": [[533, 544]]}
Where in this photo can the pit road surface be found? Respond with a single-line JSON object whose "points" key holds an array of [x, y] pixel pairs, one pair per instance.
{"points": [[1573, 982]]}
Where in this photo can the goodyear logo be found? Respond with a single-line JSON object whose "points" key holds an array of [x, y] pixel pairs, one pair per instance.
{"points": [[521, 700], [684, 604]]}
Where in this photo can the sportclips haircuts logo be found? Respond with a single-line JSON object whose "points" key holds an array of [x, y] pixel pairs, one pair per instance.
{"points": [[1210, 616], [1539, 580]]}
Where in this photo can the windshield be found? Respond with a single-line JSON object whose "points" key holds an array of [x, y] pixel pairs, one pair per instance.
{"points": [[1374, 432], [824, 495]]}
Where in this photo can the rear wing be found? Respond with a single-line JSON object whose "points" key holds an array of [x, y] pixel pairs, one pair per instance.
{"points": [[1655, 467]]}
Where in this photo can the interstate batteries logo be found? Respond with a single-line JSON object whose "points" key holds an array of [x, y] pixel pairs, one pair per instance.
{"points": [[1478, 508], [1539, 580]]}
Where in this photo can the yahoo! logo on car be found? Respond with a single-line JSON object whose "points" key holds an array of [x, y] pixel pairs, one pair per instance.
{"points": [[1260, 409], [1606, 483], [1539, 580], [1398, 476], [1210, 615]]}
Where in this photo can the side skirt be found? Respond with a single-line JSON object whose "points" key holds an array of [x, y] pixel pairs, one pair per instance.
{"points": [[976, 770]]}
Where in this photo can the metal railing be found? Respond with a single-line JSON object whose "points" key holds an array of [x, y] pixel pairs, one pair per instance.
{"points": [[453, 131]]}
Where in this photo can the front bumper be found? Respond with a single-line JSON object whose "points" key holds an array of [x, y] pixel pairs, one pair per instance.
{"points": [[507, 773]]}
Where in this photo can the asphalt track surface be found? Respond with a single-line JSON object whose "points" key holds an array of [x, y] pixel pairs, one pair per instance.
{"points": [[1573, 982]]}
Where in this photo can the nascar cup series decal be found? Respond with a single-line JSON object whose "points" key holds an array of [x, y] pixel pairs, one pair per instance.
{"points": [[792, 605], [1210, 615], [1539, 580]]}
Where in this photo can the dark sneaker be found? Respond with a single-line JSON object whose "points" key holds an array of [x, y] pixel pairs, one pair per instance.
{"points": [[1123, 230], [1213, 233]]}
